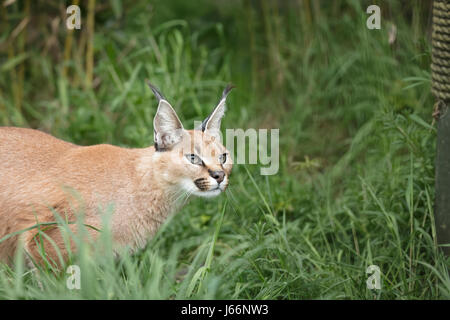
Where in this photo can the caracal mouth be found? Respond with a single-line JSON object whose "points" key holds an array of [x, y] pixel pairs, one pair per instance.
{"points": [[193, 189]]}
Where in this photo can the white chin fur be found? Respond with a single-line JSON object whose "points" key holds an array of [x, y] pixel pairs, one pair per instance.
{"points": [[207, 194]]}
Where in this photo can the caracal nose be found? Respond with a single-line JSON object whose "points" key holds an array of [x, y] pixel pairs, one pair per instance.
{"points": [[218, 175]]}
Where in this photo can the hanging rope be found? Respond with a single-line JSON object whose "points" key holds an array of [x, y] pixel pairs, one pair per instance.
{"points": [[440, 75], [440, 62]]}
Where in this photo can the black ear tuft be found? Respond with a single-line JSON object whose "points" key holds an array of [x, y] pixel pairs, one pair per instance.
{"points": [[225, 93], [156, 92], [227, 90]]}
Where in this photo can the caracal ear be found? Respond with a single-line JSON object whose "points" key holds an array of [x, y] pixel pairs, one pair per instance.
{"points": [[167, 127], [212, 123]]}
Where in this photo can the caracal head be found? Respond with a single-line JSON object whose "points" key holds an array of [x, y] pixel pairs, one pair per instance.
{"points": [[193, 161]]}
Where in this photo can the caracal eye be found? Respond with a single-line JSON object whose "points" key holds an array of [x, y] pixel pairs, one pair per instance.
{"points": [[194, 159], [223, 158]]}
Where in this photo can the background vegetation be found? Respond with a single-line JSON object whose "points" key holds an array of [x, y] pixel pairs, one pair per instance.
{"points": [[356, 179]]}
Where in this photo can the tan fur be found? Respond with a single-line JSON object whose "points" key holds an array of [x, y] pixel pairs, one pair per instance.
{"points": [[39, 172]]}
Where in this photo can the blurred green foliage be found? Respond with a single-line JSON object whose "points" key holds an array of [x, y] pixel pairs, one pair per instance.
{"points": [[356, 180]]}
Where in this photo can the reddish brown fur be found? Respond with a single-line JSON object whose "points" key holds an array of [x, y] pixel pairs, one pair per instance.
{"points": [[39, 172]]}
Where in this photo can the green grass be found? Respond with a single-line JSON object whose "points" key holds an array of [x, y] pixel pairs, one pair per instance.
{"points": [[356, 179]]}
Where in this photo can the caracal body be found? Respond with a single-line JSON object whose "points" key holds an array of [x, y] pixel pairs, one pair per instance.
{"points": [[41, 175]]}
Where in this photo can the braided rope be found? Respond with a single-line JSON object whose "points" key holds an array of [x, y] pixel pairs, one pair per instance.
{"points": [[440, 62]]}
